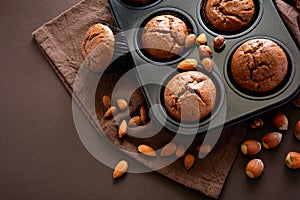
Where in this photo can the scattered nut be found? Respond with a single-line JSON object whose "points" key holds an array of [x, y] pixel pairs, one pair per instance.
{"points": [[122, 104], [201, 39], [180, 151], [122, 129], [106, 101], [190, 40], [292, 160], [219, 42], [280, 122], [250, 147], [297, 101], [204, 148], [188, 64], [257, 122], [207, 64], [147, 150], [189, 161], [120, 169], [144, 115], [297, 130], [169, 149], [110, 112], [254, 168], [204, 51], [135, 121], [271, 140]]}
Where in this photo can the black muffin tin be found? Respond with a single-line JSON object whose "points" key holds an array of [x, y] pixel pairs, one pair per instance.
{"points": [[238, 104]]}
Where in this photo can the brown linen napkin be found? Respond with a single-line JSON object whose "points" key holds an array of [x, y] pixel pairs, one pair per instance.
{"points": [[60, 41]]}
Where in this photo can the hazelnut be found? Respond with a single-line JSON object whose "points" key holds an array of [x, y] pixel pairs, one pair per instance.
{"points": [[297, 130], [250, 147], [271, 140], [254, 168], [219, 42], [297, 101], [204, 51], [257, 122], [190, 40], [207, 64], [292, 160], [201, 39], [280, 122]]}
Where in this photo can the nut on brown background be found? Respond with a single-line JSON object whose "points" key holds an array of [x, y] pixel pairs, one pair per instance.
{"points": [[254, 168], [292, 160], [280, 122], [250, 147], [271, 140]]}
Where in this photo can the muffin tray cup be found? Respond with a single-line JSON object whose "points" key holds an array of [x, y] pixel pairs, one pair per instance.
{"points": [[233, 104]]}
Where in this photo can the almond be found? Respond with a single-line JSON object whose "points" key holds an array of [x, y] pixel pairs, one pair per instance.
{"points": [[190, 40], [147, 150], [110, 112], [292, 160], [135, 121], [280, 122], [250, 147], [254, 168], [122, 129], [204, 148], [120, 169], [271, 140], [122, 104], [144, 115], [106, 101], [189, 161], [168, 149], [188, 64], [201, 39], [297, 130], [204, 51], [180, 151], [207, 64]]}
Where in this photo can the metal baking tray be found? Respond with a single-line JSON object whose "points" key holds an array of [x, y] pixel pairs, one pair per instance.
{"points": [[233, 105]]}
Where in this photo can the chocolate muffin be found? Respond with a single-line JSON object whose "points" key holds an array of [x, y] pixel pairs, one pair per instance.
{"points": [[99, 43], [259, 65], [229, 16], [190, 96], [139, 2], [164, 36]]}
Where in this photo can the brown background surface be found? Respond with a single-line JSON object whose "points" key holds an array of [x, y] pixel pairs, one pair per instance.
{"points": [[42, 156]]}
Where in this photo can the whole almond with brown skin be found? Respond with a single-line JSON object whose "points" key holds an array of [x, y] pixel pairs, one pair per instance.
{"points": [[122, 104], [180, 151], [250, 147], [204, 51], [271, 140], [169, 149], [144, 115], [106, 101], [254, 168], [147, 150], [280, 122], [110, 112], [201, 39], [207, 64], [120, 169], [135, 121], [297, 130], [189, 161], [190, 40], [122, 129], [292, 160], [188, 64]]}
